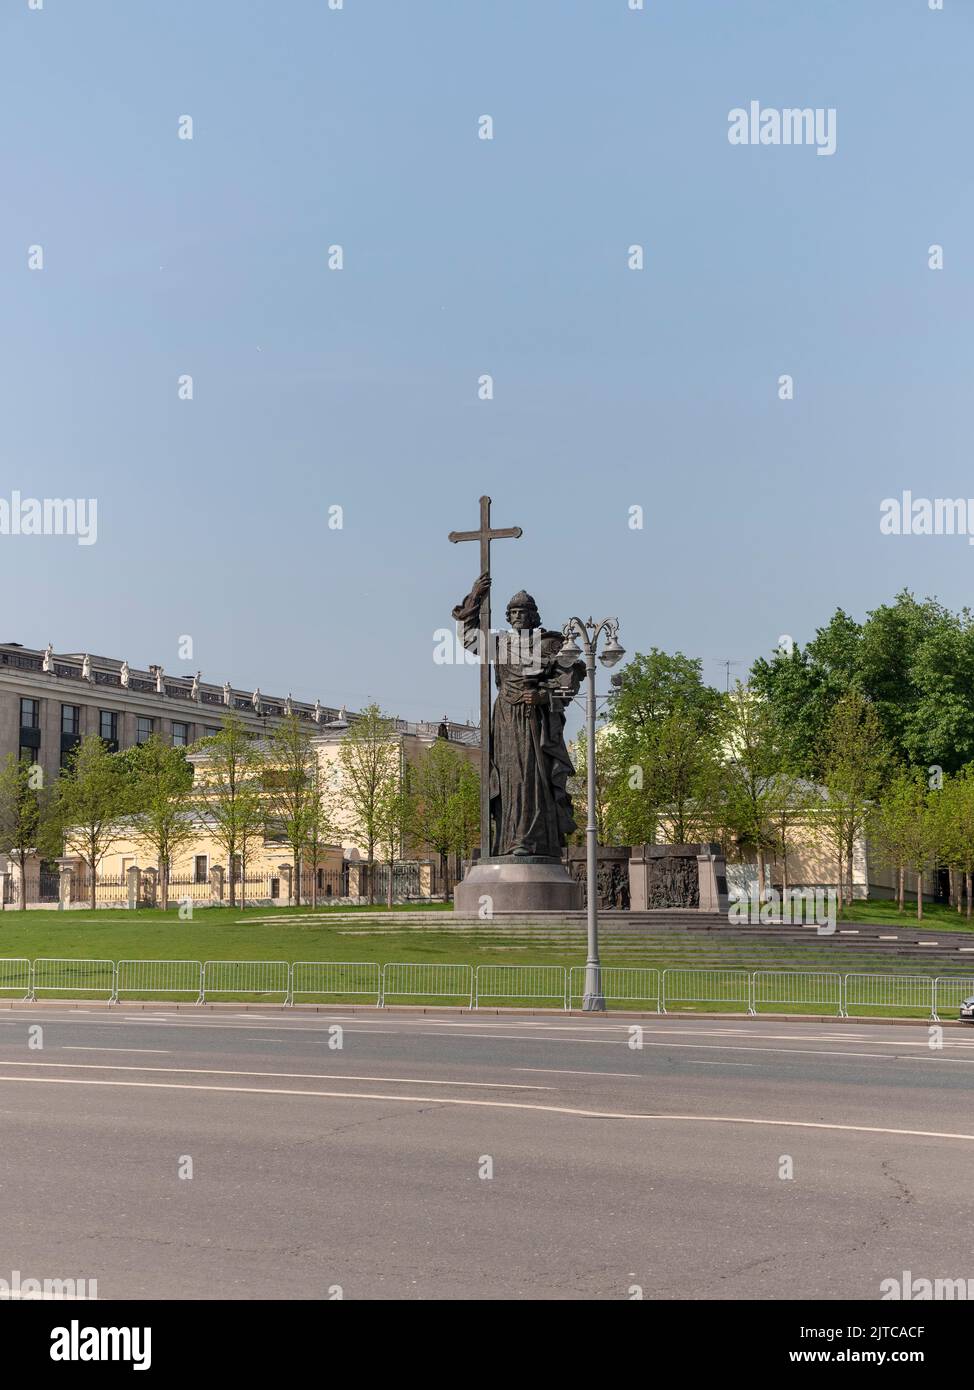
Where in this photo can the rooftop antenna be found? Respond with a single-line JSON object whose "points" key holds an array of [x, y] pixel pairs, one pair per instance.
{"points": [[727, 663]]}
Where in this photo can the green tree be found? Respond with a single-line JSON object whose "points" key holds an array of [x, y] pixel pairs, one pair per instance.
{"points": [[913, 660], [753, 756], [856, 764], [396, 810], [436, 779], [319, 819], [651, 686], [91, 798], [889, 824], [369, 761], [162, 818], [921, 838], [25, 820], [955, 831], [463, 812], [290, 781], [229, 794], [656, 757]]}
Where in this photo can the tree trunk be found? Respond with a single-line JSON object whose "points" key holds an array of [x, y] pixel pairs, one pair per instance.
{"points": [[296, 874], [841, 879], [967, 880], [94, 900], [900, 888], [23, 882], [389, 893], [784, 873], [919, 895], [164, 883], [233, 876], [760, 867]]}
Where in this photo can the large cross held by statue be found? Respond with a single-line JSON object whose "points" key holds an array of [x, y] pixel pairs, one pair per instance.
{"points": [[485, 535]]}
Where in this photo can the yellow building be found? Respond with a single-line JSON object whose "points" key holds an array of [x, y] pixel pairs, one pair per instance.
{"points": [[200, 870]]}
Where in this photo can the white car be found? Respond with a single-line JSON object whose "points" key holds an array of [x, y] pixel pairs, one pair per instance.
{"points": [[967, 1010]]}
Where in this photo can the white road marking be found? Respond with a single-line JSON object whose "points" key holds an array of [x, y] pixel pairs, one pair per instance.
{"points": [[493, 1105], [277, 1075], [159, 1051], [568, 1071]]}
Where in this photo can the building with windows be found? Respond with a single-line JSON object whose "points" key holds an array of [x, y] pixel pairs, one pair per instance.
{"points": [[50, 700]]}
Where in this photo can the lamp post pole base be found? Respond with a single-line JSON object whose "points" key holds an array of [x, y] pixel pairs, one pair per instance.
{"points": [[593, 1000]]}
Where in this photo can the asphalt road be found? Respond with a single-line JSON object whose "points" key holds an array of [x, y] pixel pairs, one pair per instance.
{"points": [[359, 1168]]}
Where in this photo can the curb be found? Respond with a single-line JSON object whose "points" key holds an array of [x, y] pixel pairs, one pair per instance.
{"points": [[450, 1011]]}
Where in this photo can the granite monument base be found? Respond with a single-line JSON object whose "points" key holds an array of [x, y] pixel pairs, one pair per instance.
{"points": [[516, 883]]}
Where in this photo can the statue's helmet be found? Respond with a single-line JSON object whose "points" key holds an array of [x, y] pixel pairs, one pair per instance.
{"points": [[524, 600]]}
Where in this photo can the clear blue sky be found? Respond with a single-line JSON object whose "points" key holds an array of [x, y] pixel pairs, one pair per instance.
{"points": [[613, 388]]}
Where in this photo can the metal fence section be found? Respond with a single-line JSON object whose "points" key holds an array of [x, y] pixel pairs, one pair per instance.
{"points": [[15, 976], [344, 978], [521, 982], [165, 977], [188, 886], [819, 991], [890, 992], [621, 984], [950, 991], [403, 980], [705, 987], [64, 976], [816, 988], [246, 977]]}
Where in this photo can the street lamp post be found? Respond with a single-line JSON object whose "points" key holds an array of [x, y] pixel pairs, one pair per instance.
{"points": [[589, 634]]}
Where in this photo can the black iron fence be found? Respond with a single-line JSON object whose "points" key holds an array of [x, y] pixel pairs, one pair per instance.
{"points": [[354, 882]]}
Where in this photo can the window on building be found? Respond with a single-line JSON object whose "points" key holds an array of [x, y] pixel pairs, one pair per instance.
{"points": [[201, 870], [180, 735], [67, 757], [143, 727], [70, 719], [30, 714], [211, 731], [28, 755], [108, 725]]}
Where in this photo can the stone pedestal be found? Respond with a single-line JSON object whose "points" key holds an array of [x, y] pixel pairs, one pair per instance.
{"points": [[516, 883], [686, 876]]}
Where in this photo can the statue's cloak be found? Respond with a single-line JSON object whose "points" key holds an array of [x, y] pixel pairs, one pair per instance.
{"points": [[530, 804]]}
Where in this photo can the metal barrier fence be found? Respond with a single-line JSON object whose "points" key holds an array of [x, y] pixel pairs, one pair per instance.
{"points": [[820, 991], [73, 976], [345, 978], [165, 977], [246, 977], [705, 987], [521, 982], [950, 990], [822, 988], [15, 976], [428, 982], [621, 984], [890, 992]]}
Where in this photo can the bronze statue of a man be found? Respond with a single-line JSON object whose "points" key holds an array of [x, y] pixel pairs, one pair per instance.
{"points": [[530, 805]]}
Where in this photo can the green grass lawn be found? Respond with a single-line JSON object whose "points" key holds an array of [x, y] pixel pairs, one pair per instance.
{"points": [[287, 934], [935, 915]]}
